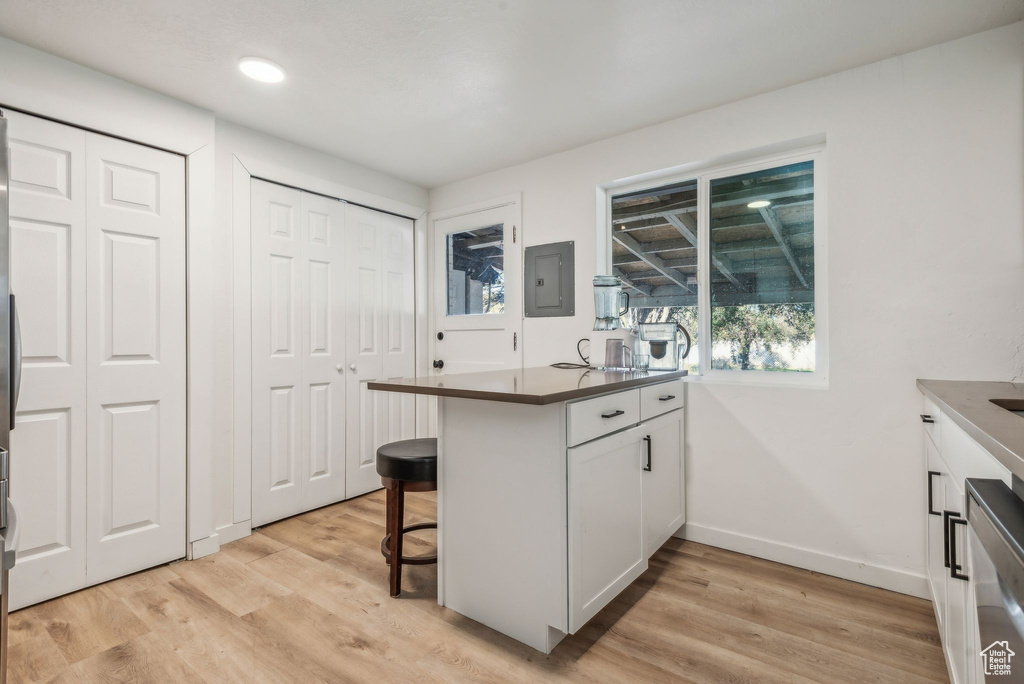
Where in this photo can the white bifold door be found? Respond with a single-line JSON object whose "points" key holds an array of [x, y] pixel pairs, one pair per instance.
{"points": [[98, 272], [332, 308]]}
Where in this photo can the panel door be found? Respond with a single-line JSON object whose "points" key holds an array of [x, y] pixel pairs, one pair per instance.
{"points": [[380, 338], [935, 541], [48, 278], [136, 350], [322, 448], [276, 358], [477, 291], [663, 493], [606, 530]]}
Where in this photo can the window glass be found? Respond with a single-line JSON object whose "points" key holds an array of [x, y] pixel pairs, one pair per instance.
{"points": [[654, 252], [476, 271], [762, 270]]}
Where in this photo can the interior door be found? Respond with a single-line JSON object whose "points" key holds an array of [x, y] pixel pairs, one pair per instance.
{"points": [[380, 338], [322, 467], [135, 211], [48, 278], [276, 356], [477, 291]]}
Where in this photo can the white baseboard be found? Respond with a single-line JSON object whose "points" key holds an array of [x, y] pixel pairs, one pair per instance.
{"points": [[205, 547], [230, 533], [847, 568]]}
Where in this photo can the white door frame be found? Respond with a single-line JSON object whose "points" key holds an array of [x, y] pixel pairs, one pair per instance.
{"points": [[243, 170]]}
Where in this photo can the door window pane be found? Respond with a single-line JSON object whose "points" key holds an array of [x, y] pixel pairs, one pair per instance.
{"points": [[476, 271], [762, 270]]}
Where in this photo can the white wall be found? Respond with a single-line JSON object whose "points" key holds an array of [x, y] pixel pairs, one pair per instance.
{"points": [[277, 160], [926, 274]]}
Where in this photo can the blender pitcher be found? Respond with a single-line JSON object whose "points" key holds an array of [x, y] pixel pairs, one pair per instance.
{"points": [[608, 302]]}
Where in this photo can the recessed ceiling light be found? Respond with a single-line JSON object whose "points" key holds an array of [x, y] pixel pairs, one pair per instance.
{"points": [[759, 204], [261, 69]]}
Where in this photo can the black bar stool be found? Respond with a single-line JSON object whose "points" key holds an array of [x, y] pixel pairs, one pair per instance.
{"points": [[406, 466]]}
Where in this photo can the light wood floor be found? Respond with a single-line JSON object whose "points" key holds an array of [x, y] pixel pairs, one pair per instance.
{"points": [[305, 600]]}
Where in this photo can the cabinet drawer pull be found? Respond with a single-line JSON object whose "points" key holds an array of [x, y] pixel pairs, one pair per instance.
{"points": [[648, 466], [612, 414], [925, 418], [954, 567], [947, 516], [931, 506], [667, 397]]}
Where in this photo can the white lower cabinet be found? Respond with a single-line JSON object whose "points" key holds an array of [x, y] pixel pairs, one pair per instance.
{"points": [[948, 553], [625, 500]]}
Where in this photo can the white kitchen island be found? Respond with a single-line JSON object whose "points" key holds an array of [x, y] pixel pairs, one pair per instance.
{"points": [[554, 488]]}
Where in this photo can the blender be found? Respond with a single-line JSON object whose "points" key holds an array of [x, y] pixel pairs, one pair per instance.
{"points": [[608, 302]]}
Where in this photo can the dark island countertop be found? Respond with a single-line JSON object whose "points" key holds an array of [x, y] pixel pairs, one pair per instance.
{"points": [[541, 385], [967, 403]]}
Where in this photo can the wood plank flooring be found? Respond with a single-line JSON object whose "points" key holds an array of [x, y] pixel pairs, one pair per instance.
{"points": [[305, 600]]}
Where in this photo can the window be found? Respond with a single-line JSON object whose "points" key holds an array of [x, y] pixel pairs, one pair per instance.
{"points": [[476, 271], [730, 255]]}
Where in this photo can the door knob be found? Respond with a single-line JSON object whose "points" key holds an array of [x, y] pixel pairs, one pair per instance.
{"points": [[352, 367], [340, 368]]}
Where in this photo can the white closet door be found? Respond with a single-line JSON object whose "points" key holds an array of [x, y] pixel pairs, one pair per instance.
{"points": [[48, 271], [135, 212], [276, 360], [322, 232], [380, 338], [398, 322], [298, 351]]}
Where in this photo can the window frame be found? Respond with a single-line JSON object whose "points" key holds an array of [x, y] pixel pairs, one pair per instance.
{"points": [[704, 174]]}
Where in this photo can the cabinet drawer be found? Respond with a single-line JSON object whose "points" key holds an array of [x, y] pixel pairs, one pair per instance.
{"points": [[591, 418], [658, 399]]}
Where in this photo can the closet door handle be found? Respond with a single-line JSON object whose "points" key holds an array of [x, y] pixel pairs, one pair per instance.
{"points": [[954, 567], [931, 506], [648, 466], [613, 414]]}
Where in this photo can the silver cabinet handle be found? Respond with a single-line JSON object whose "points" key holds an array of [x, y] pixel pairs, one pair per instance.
{"points": [[340, 368], [352, 367], [15, 359]]}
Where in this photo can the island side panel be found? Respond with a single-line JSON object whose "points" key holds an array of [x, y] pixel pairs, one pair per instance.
{"points": [[502, 517]]}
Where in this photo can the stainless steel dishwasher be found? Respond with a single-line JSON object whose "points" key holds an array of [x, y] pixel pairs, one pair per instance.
{"points": [[995, 522]]}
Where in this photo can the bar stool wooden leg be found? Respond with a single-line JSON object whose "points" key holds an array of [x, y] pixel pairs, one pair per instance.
{"points": [[395, 516]]}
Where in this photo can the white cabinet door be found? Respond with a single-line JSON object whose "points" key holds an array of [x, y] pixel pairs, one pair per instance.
{"points": [[663, 491], [936, 565], [380, 338], [48, 271], [276, 357], [298, 342], [956, 638], [135, 212], [606, 529]]}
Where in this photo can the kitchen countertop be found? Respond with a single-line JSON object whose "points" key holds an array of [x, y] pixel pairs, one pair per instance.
{"points": [[967, 404], [541, 385]]}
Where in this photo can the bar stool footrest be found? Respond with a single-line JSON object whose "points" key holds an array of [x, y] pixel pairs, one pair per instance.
{"points": [[407, 560]]}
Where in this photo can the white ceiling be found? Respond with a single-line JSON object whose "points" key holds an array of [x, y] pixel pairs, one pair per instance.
{"points": [[432, 91]]}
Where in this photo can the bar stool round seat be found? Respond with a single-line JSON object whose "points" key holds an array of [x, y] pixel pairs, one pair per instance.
{"points": [[406, 466], [411, 460]]}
